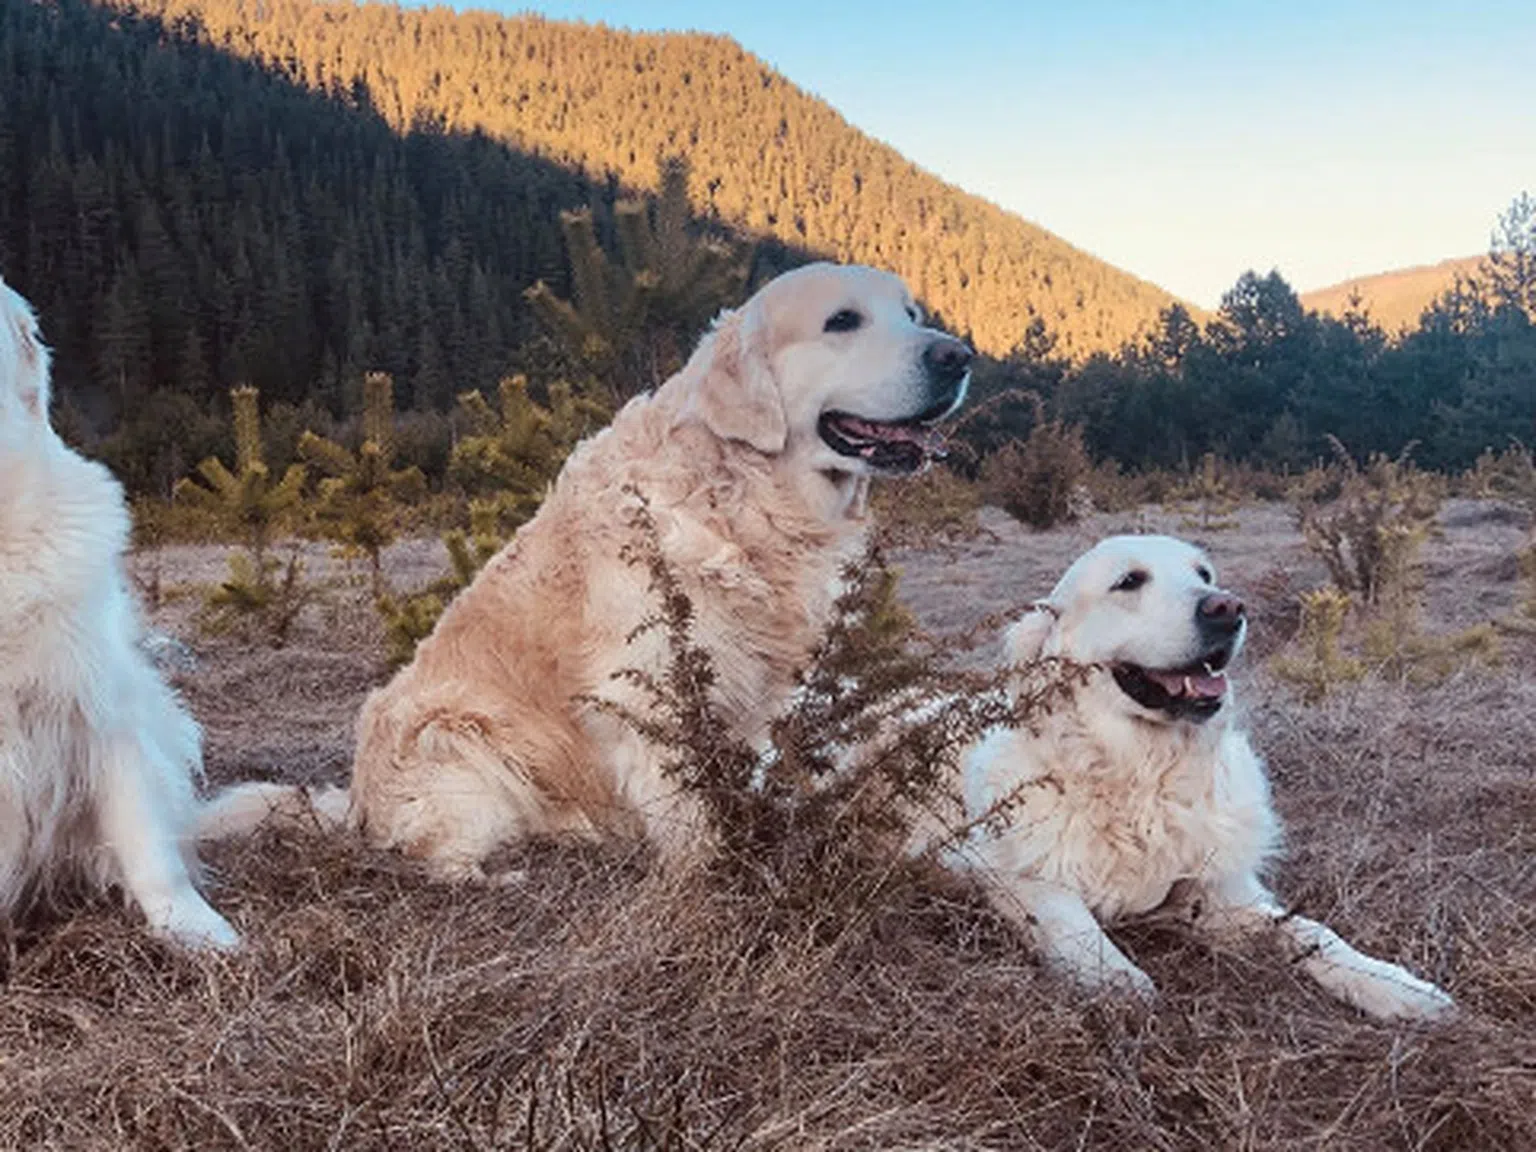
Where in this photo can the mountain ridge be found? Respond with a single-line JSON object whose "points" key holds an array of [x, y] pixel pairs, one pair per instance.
{"points": [[768, 156], [1397, 297]]}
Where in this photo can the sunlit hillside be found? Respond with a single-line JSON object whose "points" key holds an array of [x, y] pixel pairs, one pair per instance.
{"points": [[1395, 299], [766, 155]]}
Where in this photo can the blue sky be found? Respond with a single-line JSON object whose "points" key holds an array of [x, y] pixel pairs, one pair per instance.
{"points": [[1183, 141]]}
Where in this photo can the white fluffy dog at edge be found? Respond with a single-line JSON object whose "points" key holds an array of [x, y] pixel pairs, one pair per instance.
{"points": [[1142, 792], [97, 755], [755, 461]]}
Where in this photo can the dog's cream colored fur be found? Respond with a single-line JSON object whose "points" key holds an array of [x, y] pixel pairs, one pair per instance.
{"points": [[97, 756], [489, 734], [1123, 811]]}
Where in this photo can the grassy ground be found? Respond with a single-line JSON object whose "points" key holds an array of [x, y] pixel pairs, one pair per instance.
{"points": [[596, 1005]]}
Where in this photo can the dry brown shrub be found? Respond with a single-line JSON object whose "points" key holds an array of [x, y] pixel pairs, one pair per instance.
{"points": [[867, 752], [1110, 489], [1155, 486], [938, 506], [1509, 476], [1527, 561], [1273, 597], [1371, 533], [1371, 537], [1039, 481]]}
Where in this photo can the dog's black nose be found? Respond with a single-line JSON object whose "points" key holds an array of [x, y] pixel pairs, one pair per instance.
{"points": [[1220, 612], [947, 360]]}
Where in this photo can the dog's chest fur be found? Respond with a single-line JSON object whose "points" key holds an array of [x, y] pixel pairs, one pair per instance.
{"points": [[62, 533], [761, 570], [62, 529], [1120, 810]]}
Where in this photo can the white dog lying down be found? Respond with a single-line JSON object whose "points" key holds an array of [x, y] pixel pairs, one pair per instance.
{"points": [[97, 756], [755, 460], [1144, 786]]}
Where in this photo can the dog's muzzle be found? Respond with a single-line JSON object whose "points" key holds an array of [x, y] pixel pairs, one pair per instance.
{"points": [[908, 445], [1195, 691]]}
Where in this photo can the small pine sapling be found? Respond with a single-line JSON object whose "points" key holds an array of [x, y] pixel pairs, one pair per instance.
{"points": [[505, 463], [628, 319], [361, 496], [1321, 665], [249, 505], [509, 455], [1206, 500]]}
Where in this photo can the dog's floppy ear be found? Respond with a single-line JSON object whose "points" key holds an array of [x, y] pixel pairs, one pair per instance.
{"points": [[31, 367], [734, 393], [1026, 638]]}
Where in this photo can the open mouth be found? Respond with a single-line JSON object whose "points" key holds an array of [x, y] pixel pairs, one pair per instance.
{"points": [[1194, 692], [900, 446]]}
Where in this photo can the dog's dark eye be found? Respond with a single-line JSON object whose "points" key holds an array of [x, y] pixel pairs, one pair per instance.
{"points": [[1204, 573], [913, 316], [1131, 581], [845, 321]]}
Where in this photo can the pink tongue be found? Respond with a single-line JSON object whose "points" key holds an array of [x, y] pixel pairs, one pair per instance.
{"points": [[1189, 684], [930, 440]]}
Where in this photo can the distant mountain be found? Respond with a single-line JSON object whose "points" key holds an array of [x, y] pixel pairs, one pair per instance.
{"points": [[1395, 300], [766, 156]]}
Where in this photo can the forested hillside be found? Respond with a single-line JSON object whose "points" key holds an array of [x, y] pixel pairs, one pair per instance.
{"points": [[1266, 380], [289, 194], [1395, 300], [767, 156]]}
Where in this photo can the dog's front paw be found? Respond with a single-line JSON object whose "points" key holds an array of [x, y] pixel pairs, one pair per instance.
{"points": [[1394, 993], [169, 655], [196, 927], [1119, 977], [1133, 981]]}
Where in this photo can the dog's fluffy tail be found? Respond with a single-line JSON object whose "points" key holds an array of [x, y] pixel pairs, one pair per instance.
{"points": [[242, 809]]}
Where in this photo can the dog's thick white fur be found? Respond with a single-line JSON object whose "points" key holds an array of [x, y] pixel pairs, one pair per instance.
{"points": [[1143, 792], [754, 461], [97, 755]]}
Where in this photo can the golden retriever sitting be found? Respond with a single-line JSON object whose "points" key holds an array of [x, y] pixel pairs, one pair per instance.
{"points": [[97, 756], [1144, 786], [754, 462]]}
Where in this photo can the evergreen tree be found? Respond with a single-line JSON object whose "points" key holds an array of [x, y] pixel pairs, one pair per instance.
{"points": [[511, 454], [250, 505], [630, 319], [1511, 264], [361, 495]]}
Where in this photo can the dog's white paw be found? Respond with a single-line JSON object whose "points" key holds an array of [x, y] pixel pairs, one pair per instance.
{"points": [[1116, 975], [196, 926], [1133, 981], [1394, 993]]}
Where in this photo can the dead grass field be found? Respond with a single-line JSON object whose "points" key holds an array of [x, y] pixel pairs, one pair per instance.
{"points": [[597, 1006]]}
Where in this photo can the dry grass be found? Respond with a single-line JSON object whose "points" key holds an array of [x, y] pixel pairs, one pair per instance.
{"points": [[596, 1005]]}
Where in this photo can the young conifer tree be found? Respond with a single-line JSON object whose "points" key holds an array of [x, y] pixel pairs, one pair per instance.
{"points": [[629, 319], [504, 464], [362, 496], [1206, 500], [252, 507]]}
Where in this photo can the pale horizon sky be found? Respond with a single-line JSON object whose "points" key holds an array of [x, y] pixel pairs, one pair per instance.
{"points": [[1184, 141]]}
